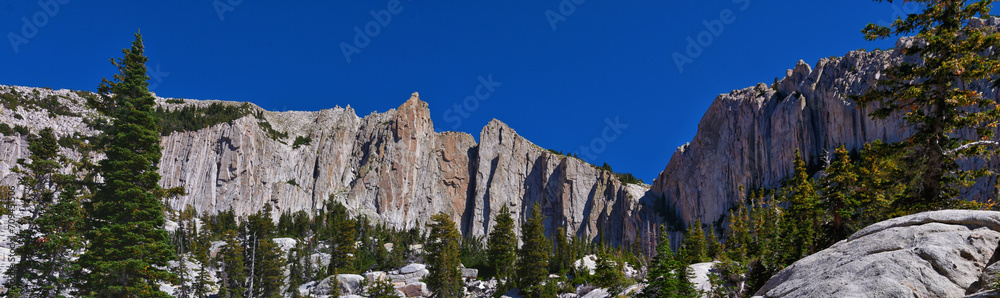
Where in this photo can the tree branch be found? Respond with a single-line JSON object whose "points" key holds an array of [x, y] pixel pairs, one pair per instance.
{"points": [[976, 143]]}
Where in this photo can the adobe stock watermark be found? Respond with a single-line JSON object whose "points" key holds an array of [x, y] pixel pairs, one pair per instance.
{"points": [[900, 11], [223, 6], [565, 9], [713, 28], [156, 75], [612, 130], [362, 38], [482, 92], [29, 29]]}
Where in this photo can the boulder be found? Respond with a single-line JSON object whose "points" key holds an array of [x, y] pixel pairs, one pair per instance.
{"points": [[411, 268], [469, 273], [597, 293], [930, 254], [588, 261], [417, 289], [700, 280], [348, 283]]}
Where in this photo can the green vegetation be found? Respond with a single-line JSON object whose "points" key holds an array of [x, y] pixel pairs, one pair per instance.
{"points": [[175, 101], [933, 97], [13, 99], [192, 118], [626, 178], [445, 278], [300, 141], [52, 237], [125, 215], [533, 256], [502, 249], [271, 132]]}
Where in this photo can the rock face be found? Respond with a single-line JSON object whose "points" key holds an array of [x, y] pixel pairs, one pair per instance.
{"points": [[748, 137], [391, 166], [931, 254]]}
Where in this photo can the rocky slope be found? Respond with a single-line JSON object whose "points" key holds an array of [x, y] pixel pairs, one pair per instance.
{"points": [[748, 137], [948, 253], [390, 166]]}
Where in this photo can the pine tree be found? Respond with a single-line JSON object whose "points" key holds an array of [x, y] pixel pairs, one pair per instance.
{"points": [[445, 279], [838, 188], [128, 248], [262, 257], [502, 247], [935, 95], [713, 248], [694, 244], [683, 274], [45, 248], [533, 257], [801, 221], [203, 285], [340, 229], [661, 280], [562, 259], [234, 276], [610, 273]]}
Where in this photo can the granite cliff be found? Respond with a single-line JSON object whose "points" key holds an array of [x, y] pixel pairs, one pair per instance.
{"points": [[748, 137], [391, 166]]}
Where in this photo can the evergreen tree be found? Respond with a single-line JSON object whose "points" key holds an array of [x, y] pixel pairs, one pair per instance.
{"points": [[801, 221], [935, 95], [838, 189], [262, 256], [562, 260], [661, 280], [234, 274], [694, 244], [533, 257], [128, 248], [610, 273], [382, 288], [713, 248], [45, 247], [502, 247], [445, 278], [340, 229], [683, 274], [203, 285]]}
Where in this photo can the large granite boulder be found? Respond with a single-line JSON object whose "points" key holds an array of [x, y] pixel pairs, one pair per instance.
{"points": [[930, 254]]}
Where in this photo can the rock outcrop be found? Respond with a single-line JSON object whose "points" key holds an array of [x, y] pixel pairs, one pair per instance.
{"points": [[930, 254], [748, 137], [392, 167]]}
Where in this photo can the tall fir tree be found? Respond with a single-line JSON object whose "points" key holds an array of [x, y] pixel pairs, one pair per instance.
{"points": [[800, 224], [502, 247], [443, 243], [128, 247], [562, 259], [933, 92], [838, 187], [660, 278], [262, 257], [52, 236], [694, 244], [340, 229], [533, 257], [234, 272]]}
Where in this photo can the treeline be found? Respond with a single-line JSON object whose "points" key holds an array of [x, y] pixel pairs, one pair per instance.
{"points": [[192, 118]]}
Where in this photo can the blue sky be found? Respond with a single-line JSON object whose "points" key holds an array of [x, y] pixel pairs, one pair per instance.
{"points": [[594, 77]]}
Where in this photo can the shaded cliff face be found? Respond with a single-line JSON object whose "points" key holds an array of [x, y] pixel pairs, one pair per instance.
{"points": [[392, 167], [748, 137]]}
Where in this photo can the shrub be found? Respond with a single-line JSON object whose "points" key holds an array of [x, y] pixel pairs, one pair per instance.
{"points": [[300, 141]]}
